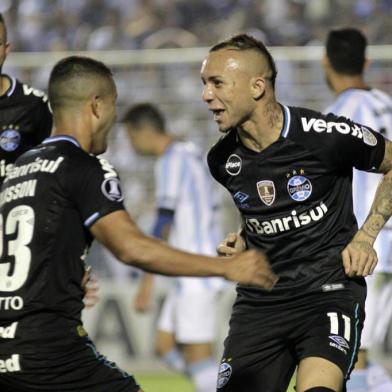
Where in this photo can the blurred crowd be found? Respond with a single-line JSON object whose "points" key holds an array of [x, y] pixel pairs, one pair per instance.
{"points": [[51, 25]]}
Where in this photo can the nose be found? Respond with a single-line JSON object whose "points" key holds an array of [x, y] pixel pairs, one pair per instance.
{"points": [[208, 94]]}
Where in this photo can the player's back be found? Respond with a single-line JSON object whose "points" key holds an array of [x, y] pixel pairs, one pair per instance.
{"points": [[373, 108], [43, 241], [185, 186]]}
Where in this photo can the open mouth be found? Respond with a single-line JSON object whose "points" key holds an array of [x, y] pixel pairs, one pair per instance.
{"points": [[217, 113]]}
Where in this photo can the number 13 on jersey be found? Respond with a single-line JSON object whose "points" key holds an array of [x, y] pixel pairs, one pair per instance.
{"points": [[18, 226]]}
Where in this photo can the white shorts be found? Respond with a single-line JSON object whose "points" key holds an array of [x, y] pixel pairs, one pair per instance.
{"points": [[190, 315], [378, 308]]}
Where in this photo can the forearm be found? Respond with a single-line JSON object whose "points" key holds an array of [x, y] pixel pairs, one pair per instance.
{"points": [[381, 209], [156, 256]]}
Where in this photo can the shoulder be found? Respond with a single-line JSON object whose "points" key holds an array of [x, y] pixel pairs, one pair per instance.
{"points": [[224, 146], [311, 122], [25, 91], [382, 96], [223, 154]]}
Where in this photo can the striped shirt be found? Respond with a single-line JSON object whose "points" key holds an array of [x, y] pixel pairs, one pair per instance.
{"points": [[184, 186], [372, 108]]}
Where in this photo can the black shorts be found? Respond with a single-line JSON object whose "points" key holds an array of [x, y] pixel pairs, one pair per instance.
{"points": [[74, 365], [267, 342]]}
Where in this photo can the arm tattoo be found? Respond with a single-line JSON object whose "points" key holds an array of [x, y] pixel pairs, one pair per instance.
{"points": [[381, 209]]}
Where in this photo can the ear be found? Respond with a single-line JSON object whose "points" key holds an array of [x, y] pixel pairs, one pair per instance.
{"points": [[7, 48], [257, 87], [95, 104]]}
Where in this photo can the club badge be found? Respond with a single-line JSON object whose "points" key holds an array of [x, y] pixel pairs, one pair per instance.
{"points": [[299, 188], [266, 191]]}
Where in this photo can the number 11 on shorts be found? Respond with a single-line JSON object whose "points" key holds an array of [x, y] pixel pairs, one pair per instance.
{"points": [[334, 320]]}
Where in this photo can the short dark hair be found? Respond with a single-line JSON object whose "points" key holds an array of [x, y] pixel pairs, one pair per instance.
{"points": [[145, 113], [66, 76], [2, 21], [247, 42], [346, 50]]}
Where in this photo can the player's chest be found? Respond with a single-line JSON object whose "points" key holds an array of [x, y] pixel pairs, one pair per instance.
{"points": [[273, 184], [16, 128]]}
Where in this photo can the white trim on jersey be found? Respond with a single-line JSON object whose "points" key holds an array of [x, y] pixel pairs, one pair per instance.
{"points": [[13, 86], [287, 121], [53, 139]]}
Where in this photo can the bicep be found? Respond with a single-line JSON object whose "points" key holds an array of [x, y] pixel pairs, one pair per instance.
{"points": [[116, 231], [386, 164]]}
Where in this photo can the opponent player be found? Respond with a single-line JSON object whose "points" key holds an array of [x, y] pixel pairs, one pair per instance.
{"points": [[187, 219], [344, 64], [54, 201], [289, 172]]}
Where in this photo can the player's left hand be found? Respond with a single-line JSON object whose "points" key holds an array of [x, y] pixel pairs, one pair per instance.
{"points": [[90, 287], [359, 256]]}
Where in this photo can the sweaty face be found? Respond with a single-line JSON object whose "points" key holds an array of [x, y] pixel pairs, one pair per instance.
{"points": [[227, 88]]}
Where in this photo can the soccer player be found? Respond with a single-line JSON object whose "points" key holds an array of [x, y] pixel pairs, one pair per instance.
{"points": [[186, 218], [289, 172], [25, 118], [25, 121], [344, 64], [53, 202]]}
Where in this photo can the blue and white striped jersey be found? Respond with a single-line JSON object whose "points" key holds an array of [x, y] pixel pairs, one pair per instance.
{"points": [[373, 108], [184, 185]]}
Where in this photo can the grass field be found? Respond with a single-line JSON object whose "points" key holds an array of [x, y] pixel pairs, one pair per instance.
{"points": [[167, 383]]}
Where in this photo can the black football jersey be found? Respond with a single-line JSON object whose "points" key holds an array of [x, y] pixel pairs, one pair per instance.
{"points": [[25, 120], [48, 201], [295, 196]]}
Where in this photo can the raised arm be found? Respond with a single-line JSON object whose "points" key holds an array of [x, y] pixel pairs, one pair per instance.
{"points": [[122, 237], [359, 257]]}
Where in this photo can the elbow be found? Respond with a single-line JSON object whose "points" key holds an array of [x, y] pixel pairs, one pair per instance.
{"points": [[133, 253]]}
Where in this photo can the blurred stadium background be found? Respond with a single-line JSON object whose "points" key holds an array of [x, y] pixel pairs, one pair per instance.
{"points": [[155, 49]]}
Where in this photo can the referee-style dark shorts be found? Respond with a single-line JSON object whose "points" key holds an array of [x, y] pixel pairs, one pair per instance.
{"points": [[75, 365], [266, 343]]}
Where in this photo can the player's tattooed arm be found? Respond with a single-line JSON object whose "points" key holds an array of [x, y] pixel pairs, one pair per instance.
{"points": [[381, 209], [359, 256]]}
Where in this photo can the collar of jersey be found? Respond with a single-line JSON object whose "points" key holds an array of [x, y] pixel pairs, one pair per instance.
{"points": [[12, 86], [61, 138], [286, 121]]}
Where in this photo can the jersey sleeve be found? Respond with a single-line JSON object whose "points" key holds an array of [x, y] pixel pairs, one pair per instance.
{"points": [[96, 190], [169, 174], [361, 147], [342, 143]]}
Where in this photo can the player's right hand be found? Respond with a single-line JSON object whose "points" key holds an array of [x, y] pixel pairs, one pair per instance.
{"points": [[233, 244], [251, 268]]}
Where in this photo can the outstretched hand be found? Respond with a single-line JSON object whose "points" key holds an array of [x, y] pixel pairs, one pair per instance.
{"points": [[359, 256]]}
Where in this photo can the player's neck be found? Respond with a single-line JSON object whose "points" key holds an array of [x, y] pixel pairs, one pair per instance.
{"points": [[5, 84], [260, 132], [78, 127], [346, 82]]}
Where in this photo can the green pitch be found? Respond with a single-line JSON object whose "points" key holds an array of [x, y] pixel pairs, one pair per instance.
{"points": [[164, 382]]}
